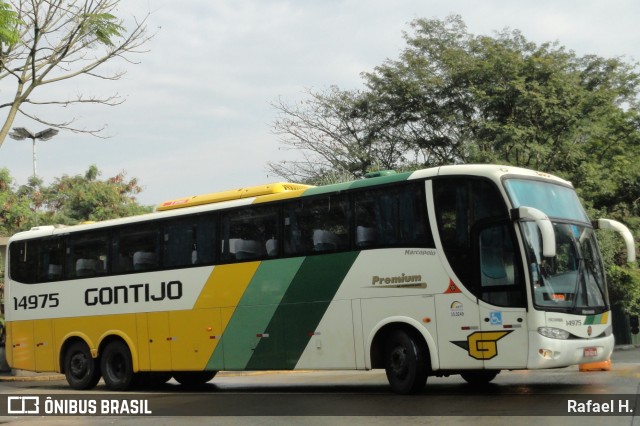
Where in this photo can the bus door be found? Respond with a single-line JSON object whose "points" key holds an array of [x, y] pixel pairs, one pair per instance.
{"points": [[457, 318], [479, 242], [502, 341]]}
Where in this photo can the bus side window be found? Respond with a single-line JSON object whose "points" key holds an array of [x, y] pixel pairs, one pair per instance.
{"points": [[86, 255], [250, 234], [136, 248], [23, 263], [366, 212], [392, 217], [295, 243], [51, 260], [189, 241], [316, 225]]}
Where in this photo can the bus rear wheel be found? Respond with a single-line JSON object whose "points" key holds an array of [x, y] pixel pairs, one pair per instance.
{"points": [[193, 378], [80, 369], [116, 366], [406, 362]]}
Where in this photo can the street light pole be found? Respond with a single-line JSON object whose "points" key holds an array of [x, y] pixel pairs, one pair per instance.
{"points": [[21, 133]]}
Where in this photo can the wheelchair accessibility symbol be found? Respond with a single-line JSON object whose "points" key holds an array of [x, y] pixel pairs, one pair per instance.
{"points": [[495, 318]]}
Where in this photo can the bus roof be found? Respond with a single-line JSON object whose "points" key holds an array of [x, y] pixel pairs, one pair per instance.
{"points": [[279, 191]]}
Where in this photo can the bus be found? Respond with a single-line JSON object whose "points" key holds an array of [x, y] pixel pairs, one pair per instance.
{"points": [[463, 269]]}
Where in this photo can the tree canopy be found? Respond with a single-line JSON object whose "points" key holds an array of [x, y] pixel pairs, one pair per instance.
{"points": [[44, 42], [67, 200], [455, 97]]}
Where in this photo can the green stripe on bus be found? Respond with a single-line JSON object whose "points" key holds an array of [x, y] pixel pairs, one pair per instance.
{"points": [[254, 312], [327, 189], [303, 306], [593, 319], [382, 180], [361, 183]]}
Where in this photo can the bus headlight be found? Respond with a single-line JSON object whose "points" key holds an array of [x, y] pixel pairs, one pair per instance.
{"points": [[553, 333]]}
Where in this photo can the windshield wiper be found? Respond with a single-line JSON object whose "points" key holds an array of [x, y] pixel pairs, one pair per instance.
{"points": [[577, 287], [594, 274]]}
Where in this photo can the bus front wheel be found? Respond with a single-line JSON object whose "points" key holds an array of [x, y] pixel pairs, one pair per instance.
{"points": [[116, 366], [479, 377], [80, 369], [406, 362]]}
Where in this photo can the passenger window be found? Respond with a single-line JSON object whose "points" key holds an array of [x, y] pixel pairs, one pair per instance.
{"points": [[395, 216], [23, 258], [189, 241], [51, 260], [136, 248], [250, 234], [316, 225], [86, 255]]}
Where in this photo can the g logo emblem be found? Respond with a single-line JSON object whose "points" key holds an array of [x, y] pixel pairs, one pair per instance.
{"points": [[482, 345]]}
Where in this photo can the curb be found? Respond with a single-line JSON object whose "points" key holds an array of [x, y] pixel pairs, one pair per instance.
{"points": [[625, 347], [35, 378]]}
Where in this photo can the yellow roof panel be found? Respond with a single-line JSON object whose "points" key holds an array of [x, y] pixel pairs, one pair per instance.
{"points": [[233, 194]]}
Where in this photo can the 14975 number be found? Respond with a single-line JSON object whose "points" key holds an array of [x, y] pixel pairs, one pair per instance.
{"points": [[36, 301]]}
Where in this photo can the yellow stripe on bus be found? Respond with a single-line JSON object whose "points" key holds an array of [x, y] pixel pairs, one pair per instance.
{"points": [[225, 287]]}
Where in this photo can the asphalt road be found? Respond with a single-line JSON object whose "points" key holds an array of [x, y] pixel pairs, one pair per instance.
{"points": [[522, 397]]}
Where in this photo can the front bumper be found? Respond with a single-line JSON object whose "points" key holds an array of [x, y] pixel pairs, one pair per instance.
{"points": [[545, 352]]}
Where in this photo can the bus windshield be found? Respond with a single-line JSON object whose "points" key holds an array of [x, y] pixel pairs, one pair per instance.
{"points": [[573, 280], [556, 201]]}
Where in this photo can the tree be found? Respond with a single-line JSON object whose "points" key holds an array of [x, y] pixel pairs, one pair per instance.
{"points": [[74, 199], [335, 135], [68, 200], [8, 24], [15, 211], [454, 97], [59, 40]]}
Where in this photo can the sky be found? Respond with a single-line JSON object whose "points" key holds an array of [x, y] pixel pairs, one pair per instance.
{"points": [[198, 116]]}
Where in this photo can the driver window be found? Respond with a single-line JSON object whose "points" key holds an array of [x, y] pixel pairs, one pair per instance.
{"points": [[499, 276]]}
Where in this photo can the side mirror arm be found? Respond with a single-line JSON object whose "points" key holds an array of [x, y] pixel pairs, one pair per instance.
{"points": [[624, 233], [544, 224]]}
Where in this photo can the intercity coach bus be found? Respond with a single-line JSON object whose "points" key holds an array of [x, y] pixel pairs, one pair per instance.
{"points": [[466, 269]]}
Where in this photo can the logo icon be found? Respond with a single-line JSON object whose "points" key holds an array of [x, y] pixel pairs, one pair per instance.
{"points": [[457, 309], [23, 405], [482, 345]]}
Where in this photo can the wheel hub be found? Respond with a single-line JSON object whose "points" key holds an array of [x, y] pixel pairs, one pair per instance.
{"points": [[399, 361], [78, 365]]}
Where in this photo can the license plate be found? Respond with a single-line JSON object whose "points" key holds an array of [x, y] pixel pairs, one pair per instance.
{"points": [[589, 352]]}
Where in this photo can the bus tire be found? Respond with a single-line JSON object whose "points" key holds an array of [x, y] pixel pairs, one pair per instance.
{"points": [[116, 366], [406, 362], [193, 378], [80, 369], [479, 377]]}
